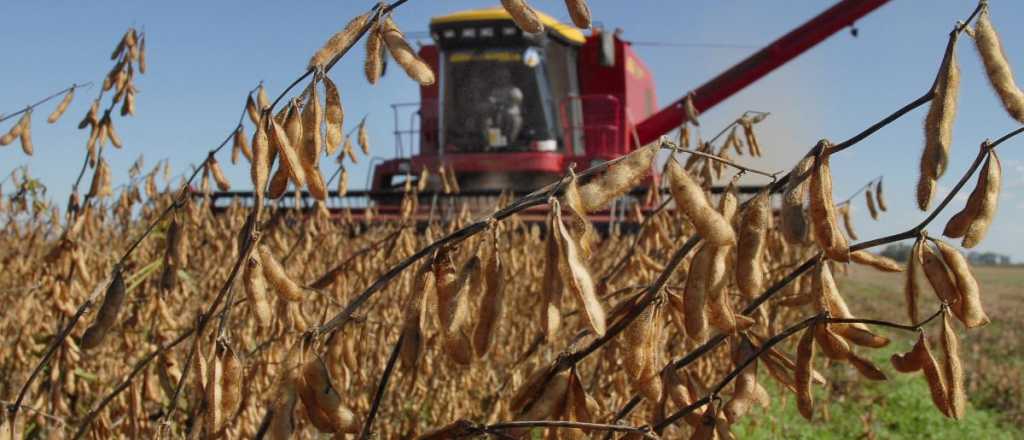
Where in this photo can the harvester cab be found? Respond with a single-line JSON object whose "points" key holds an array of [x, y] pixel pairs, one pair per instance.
{"points": [[512, 110]]}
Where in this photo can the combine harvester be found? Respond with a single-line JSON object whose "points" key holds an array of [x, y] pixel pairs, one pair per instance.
{"points": [[511, 111]]}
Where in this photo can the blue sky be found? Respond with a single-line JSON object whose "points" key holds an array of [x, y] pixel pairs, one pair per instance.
{"points": [[204, 56]]}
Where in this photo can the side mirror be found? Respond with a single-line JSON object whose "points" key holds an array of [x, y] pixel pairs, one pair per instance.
{"points": [[607, 49]]}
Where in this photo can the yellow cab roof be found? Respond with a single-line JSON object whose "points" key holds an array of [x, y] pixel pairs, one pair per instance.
{"points": [[567, 32]]}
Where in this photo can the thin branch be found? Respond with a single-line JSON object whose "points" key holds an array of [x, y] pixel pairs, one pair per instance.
{"points": [[332, 272], [173, 404], [381, 387], [643, 431], [859, 191], [735, 123], [45, 414], [44, 100], [724, 161]]}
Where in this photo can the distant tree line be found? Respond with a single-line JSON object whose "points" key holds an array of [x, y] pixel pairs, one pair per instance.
{"points": [[901, 252]]}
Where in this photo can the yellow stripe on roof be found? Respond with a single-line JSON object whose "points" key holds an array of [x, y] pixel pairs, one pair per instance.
{"points": [[565, 31]]}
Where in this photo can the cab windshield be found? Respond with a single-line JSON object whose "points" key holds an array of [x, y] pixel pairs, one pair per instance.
{"points": [[497, 99]]}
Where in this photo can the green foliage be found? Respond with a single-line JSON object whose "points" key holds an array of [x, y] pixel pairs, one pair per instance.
{"points": [[899, 408]]}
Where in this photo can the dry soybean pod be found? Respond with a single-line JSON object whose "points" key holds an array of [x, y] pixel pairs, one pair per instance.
{"points": [[282, 422], [413, 320], [635, 356], [968, 308], [62, 106], [239, 146], [343, 182], [779, 371], [260, 166], [953, 369], [492, 304], [884, 264], [747, 390], [691, 200], [550, 398], [107, 315], [363, 136], [551, 280], [339, 42], [327, 400], [373, 66], [1000, 75], [577, 405], [348, 150], [912, 360], [575, 275], [308, 395], [695, 293], [523, 15], [674, 387], [284, 286], [988, 203], [293, 125], [223, 390], [26, 133], [404, 55], [870, 199], [278, 182], [832, 346], [256, 289], [865, 367], [708, 421], [642, 353], [576, 221], [618, 178], [824, 285], [312, 117], [218, 174], [289, 158], [911, 287], [446, 282], [958, 224], [719, 305], [579, 12], [456, 317], [729, 202], [252, 110], [334, 115], [936, 382], [753, 233], [938, 125], [879, 197], [938, 276], [823, 210], [847, 218], [11, 134], [115, 139]]}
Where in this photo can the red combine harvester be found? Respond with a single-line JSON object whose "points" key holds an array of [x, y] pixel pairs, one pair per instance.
{"points": [[511, 111]]}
